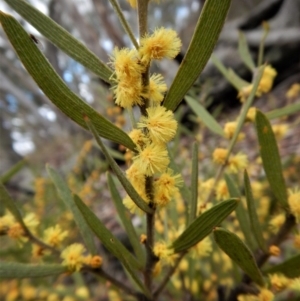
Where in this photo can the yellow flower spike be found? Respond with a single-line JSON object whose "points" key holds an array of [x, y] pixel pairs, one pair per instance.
{"points": [[162, 251], [160, 123], [163, 43], [152, 159], [274, 250], [128, 93], [229, 129], [251, 114], [266, 82], [279, 282], [157, 269], [293, 91], [136, 178], [126, 64], [133, 3], [294, 203], [138, 137], [280, 130], [131, 206], [54, 235], [157, 88], [237, 162], [73, 257], [295, 284], [165, 187], [297, 241], [6, 221], [219, 155], [222, 192]]}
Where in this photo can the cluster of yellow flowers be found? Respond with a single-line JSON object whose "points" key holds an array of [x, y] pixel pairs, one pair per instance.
{"points": [[158, 126], [264, 86]]}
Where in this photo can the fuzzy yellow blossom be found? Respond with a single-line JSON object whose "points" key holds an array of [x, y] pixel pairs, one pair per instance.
{"points": [[274, 250], [128, 94], [279, 282], [112, 294], [163, 43], [126, 64], [297, 241], [280, 130], [132, 207], [219, 155], [266, 82], [6, 221], [251, 114], [276, 222], [138, 137], [54, 235], [295, 284], [164, 253], [157, 88], [152, 159], [237, 162], [157, 269], [245, 92], [294, 203], [133, 3], [136, 178], [229, 129], [264, 295], [165, 187], [160, 123], [222, 192], [202, 249], [293, 91], [73, 257]]}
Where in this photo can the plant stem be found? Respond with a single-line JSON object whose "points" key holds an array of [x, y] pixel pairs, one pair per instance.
{"points": [[151, 259], [167, 277], [101, 273]]}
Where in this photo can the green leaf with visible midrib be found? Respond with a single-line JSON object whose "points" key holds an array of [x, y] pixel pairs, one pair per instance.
{"points": [[112, 244], [9, 203], [204, 116], [290, 268], [15, 270], [125, 219], [270, 157], [54, 88], [206, 33], [241, 213], [61, 38], [66, 196], [233, 246], [203, 225], [255, 224]]}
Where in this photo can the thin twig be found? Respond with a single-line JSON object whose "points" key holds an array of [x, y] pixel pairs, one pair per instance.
{"points": [[167, 277], [100, 272]]}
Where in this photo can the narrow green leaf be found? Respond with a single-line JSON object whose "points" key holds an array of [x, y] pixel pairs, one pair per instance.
{"points": [[229, 74], [12, 171], [245, 52], [15, 270], [255, 224], [194, 185], [54, 88], [234, 247], [206, 33], [241, 213], [9, 203], [203, 225], [112, 244], [271, 158], [66, 196], [285, 111], [290, 268], [204, 116], [119, 173], [61, 38], [125, 219]]}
